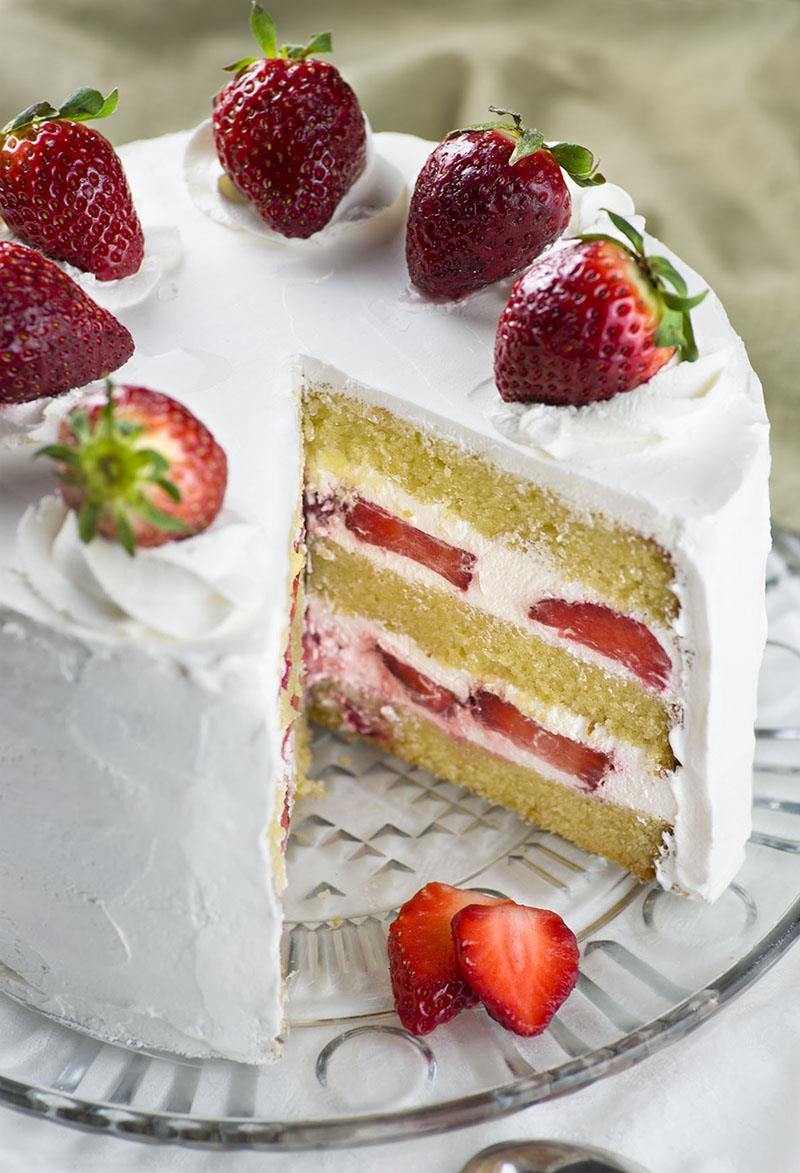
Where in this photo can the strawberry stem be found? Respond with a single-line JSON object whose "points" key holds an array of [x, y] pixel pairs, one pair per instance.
{"points": [[578, 162], [113, 472], [84, 105], [265, 35], [674, 309]]}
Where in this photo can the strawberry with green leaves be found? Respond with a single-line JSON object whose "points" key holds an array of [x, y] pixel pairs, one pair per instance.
{"points": [[63, 188], [289, 131], [487, 202], [592, 320], [138, 468]]}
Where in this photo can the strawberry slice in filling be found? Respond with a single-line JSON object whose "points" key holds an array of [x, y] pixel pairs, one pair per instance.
{"points": [[375, 525], [605, 631], [420, 688], [571, 757]]}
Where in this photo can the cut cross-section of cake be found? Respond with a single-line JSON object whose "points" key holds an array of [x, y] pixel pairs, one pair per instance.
{"points": [[558, 607], [538, 644]]}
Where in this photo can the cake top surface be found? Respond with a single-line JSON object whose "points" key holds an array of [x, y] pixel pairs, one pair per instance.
{"points": [[223, 332]]}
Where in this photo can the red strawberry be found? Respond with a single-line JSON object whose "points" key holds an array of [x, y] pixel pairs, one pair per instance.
{"points": [[422, 690], [289, 132], [521, 962], [591, 320], [63, 189], [487, 201], [380, 528], [52, 336], [427, 984], [571, 757], [138, 468], [617, 636]]}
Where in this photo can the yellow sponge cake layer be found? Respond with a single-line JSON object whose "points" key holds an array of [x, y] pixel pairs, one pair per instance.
{"points": [[458, 635], [344, 435]]}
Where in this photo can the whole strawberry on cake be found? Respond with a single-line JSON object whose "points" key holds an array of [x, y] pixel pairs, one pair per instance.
{"points": [[509, 539], [63, 188]]}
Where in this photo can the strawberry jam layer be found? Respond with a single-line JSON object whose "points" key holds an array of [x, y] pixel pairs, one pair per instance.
{"points": [[360, 662]]}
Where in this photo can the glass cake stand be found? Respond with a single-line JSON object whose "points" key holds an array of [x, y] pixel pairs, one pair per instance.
{"points": [[654, 966]]}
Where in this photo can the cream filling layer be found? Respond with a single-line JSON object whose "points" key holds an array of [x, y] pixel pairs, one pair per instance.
{"points": [[343, 649], [506, 581]]}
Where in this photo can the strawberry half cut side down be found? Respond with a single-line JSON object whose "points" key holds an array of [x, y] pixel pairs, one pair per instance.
{"points": [[63, 187], [427, 983], [138, 468], [521, 962]]}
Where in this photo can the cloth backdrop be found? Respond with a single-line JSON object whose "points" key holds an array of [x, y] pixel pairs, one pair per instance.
{"points": [[693, 105]]}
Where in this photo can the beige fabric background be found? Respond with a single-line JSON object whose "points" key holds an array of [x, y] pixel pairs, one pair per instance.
{"points": [[694, 105]]}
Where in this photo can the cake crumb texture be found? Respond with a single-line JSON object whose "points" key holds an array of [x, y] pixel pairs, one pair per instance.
{"points": [[344, 435], [626, 837], [491, 649]]}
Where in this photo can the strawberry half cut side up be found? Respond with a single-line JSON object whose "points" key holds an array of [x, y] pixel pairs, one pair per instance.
{"points": [[521, 962], [487, 202], [138, 468], [427, 984], [53, 337], [420, 688], [63, 187], [289, 131], [571, 757], [592, 320], [619, 637], [378, 527]]}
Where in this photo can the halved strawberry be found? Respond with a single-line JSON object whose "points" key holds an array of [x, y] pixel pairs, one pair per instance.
{"points": [[521, 962], [422, 690], [590, 765], [380, 528], [426, 981], [617, 636]]}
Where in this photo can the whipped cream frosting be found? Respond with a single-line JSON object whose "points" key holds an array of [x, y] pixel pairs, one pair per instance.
{"points": [[681, 395], [131, 818], [163, 252], [199, 588]]}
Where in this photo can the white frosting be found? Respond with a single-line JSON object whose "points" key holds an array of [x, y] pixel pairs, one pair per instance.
{"points": [[163, 252], [200, 588], [681, 395], [139, 771]]}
